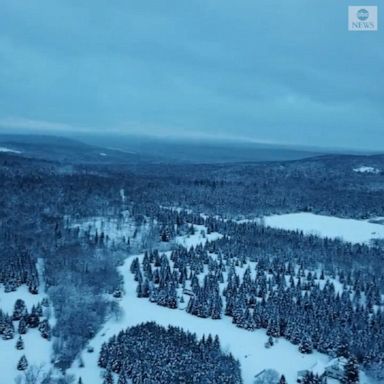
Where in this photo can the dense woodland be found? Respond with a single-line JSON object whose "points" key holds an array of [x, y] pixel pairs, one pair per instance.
{"points": [[304, 306], [38, 196], [149, 353]]}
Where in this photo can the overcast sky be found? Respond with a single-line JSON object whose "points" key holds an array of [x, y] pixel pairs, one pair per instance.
{"points": [[271, 71]]}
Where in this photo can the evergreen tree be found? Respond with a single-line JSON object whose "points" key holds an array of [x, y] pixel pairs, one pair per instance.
{"points": [[351, 371], [45, 329], [108, 378], [33, 318], [306, 346], [123, 379], [22, 365], [22, 327], [20, 343], [8, 330], [19, 310]]}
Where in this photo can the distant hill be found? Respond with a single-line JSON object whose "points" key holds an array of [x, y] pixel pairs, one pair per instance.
{"points": [[201, 151], [135, 150], [65, 150]]}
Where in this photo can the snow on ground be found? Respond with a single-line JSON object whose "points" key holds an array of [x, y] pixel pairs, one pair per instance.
{"points": [[199, 237], [354, 231], [176, 209], [366, 169], [37, 350], [246, 346], [7, 300], [9, 150], [115, 228]]}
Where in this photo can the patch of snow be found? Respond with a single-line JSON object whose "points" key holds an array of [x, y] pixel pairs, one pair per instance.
{"points": [[7, 300], [102, 154], [9, 150], [199, 237], [366, 169], [37, 350], [176, 209], [351, 230], [115, 228]]}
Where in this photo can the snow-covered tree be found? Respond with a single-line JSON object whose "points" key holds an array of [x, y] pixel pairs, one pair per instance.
{"points": [[22, 365]]}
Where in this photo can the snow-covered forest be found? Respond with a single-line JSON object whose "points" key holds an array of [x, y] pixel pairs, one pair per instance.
{"points": [[113, 273]]}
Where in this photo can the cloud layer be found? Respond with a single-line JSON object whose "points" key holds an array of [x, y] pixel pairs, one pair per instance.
{"points": [[275, 71]]}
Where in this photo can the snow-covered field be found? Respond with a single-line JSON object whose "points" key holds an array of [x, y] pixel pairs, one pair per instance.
{"points": [[37, 350], [354, 231]]}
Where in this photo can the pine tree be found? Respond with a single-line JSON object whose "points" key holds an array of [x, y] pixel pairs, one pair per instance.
{"points": [[33, 318], [8, 330], [22, 365], [20, 343], [22, 327], [45, 329], [19, 310], [351, 371], [103, 358], [306, 346], [108, 378], [122, 378]]}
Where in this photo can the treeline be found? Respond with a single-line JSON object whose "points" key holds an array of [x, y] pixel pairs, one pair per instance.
{"points": [[326, 185], [254, 241], [17, 267]]}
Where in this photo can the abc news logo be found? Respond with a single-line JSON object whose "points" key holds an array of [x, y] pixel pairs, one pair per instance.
{"points": [[362, 18]]}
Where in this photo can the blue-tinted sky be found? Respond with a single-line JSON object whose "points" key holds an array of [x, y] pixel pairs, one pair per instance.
{"points": [[271, 71]]}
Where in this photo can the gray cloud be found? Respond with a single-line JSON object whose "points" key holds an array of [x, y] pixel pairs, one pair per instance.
{"points": [[269, 70]]}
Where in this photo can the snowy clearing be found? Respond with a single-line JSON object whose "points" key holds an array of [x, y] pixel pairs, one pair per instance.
{"points": [[200, 237], [117, 229], [365, 169], [351, 230], [38, 351]]}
